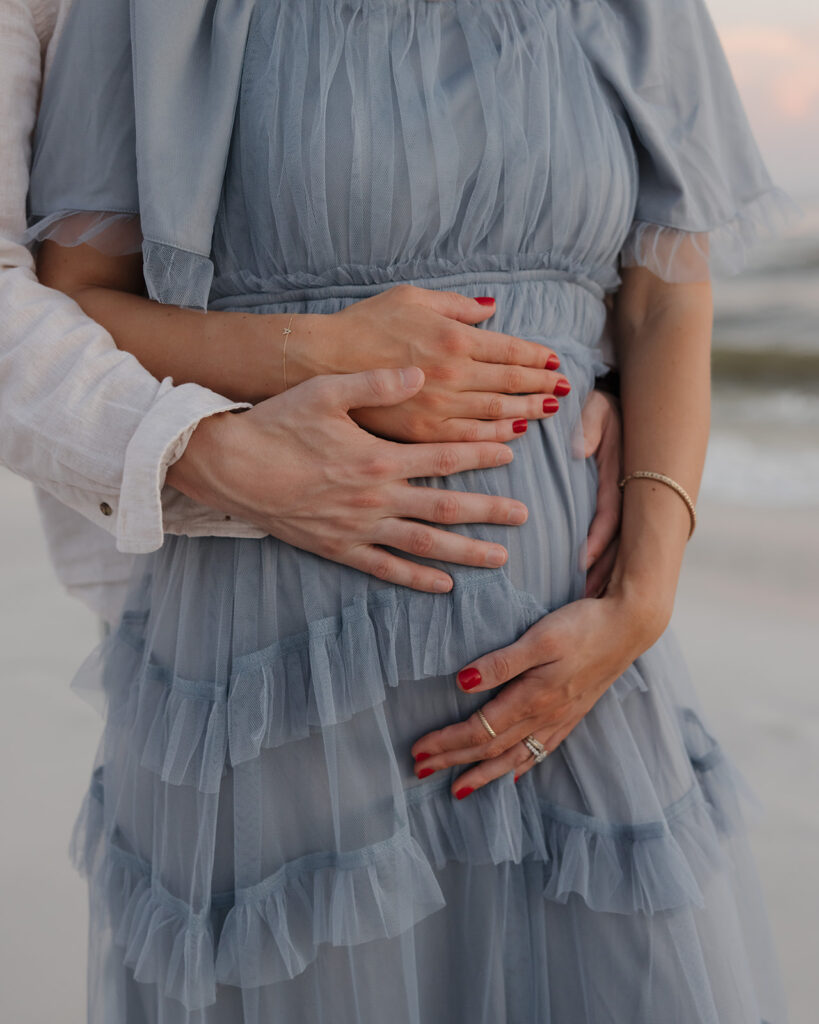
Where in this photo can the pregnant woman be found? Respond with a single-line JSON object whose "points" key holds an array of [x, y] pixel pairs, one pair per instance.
{"points": [[323, 796]]}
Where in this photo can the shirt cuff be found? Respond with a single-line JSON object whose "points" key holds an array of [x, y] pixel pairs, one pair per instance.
{"points": [[159, 440]]}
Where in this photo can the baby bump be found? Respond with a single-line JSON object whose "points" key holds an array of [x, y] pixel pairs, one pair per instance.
{"points": [[558, 486], [281, 641]]}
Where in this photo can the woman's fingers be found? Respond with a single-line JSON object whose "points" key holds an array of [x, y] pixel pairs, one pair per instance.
{"points": [[526, 764], [466, 742], [436, 505], [482, 430], [592, 421], [453, 305], [599, 575], [504, 664], [518, 759], [486, 345], [512, 760], [609, 457], [493, 405], [513, 380], [606, 523], [490, 346]]}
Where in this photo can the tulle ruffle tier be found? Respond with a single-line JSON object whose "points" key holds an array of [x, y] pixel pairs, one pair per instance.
{"points": [[642, 828], [188, 731], [272, 931]]}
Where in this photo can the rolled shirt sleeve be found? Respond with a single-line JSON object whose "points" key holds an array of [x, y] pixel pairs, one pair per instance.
{"points": [[78, 417]]}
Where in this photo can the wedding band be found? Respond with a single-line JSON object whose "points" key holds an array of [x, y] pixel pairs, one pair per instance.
{"points": [[485, 724], [535, 748]]}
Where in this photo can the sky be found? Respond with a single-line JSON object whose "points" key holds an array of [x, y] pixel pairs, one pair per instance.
{"points": [[773, 48]]}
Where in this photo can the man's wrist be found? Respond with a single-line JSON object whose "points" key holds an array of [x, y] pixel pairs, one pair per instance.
{"points": [[196, 473]]}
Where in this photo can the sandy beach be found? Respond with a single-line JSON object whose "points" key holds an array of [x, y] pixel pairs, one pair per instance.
{"points": [[747, 614]]}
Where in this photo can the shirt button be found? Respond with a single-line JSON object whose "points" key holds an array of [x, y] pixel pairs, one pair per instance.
{"points": [[105, 508]]}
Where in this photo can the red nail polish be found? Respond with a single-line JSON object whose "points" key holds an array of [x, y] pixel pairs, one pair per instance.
{"points": [[461, 793], [422, 757], [552, 362], [516, 778], [563, 387], [519, 426], [485, 300], [469, 678], [550, 404], [426, 771]]}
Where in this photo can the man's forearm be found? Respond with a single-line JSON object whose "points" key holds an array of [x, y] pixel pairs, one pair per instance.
{"points": [[664, 336]]}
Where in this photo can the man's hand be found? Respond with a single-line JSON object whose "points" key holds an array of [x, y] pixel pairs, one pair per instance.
{"points": [[298, 467]]}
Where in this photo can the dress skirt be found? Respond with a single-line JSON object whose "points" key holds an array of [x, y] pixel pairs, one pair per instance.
{"points": [[259, 849]]}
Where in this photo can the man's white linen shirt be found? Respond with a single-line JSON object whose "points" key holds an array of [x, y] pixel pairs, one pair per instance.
{"points": [[84, 421]]}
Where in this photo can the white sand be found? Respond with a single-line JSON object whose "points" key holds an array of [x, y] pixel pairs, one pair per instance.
{"points": [[747, 614]]}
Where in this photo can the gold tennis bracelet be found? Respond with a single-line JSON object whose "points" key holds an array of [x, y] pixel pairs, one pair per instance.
{"points": [[648, 474]]}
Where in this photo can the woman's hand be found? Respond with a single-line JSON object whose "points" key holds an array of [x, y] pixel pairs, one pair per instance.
{"points": [[480, 385], [602, 438], [555, 673], [298, 467], [543, 685]]}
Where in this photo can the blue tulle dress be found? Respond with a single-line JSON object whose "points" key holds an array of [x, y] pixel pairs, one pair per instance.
{"points": [[258, 848]]}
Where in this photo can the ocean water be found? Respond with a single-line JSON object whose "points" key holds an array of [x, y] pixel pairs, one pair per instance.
{"points": [[764, 447]]}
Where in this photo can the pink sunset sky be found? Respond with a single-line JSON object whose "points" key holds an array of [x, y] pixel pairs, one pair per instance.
{"points": [[773, 47]]}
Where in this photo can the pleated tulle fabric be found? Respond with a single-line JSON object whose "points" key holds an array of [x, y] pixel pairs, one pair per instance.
{"points": [[257, 845], [407, 134]]}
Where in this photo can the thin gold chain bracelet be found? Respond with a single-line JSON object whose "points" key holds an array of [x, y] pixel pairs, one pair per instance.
{"points": [[286, 331], [650, 475]]}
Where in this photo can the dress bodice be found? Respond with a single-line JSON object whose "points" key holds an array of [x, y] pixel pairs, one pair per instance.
{"points": [[273, 146], [377, 141]]}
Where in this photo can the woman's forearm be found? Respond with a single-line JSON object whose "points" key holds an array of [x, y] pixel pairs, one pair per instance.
{"points": [[664, 349], [238, 355], [481, 385]]}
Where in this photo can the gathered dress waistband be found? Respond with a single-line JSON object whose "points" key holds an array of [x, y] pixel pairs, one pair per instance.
{"points": [[560, 308], [363, 289]]}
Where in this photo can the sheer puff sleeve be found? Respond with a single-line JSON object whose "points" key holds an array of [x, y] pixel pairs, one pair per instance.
{"points": [[133, 135], [704, 196]]}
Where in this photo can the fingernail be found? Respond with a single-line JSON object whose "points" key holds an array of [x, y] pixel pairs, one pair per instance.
{"points": [[422, 756], [496, 557], [516, 778], [552, 362], [469, 678], [563, 387], [410, 377], [485, 300], [443, 586], [550, 404], [519, 426], [426, 771], [504, 456], [461, 793], [516, 517]]}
